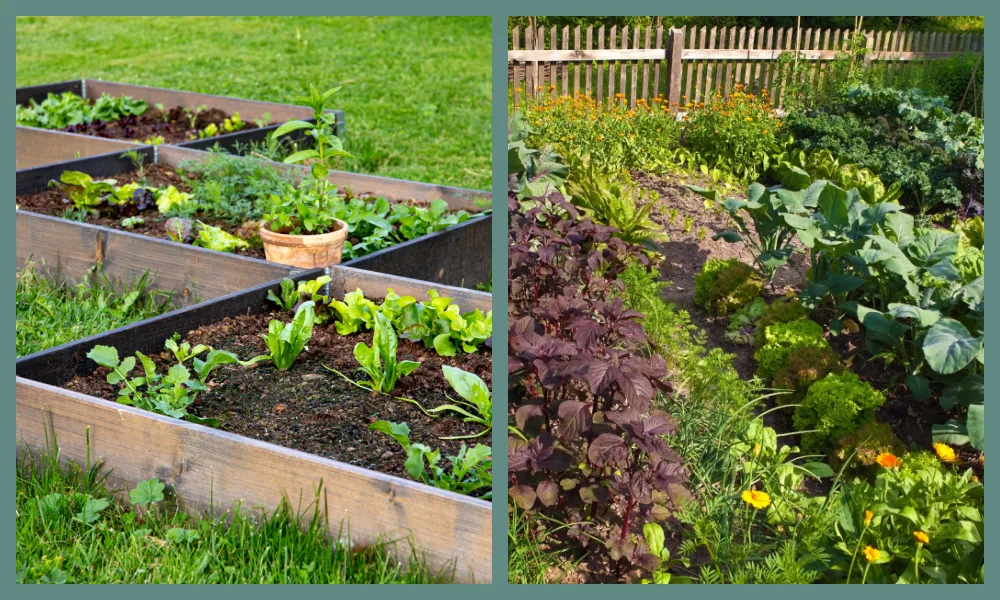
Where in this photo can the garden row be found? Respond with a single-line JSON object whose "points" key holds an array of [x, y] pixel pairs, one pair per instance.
{"points": [[854, 451], [154, 338]]}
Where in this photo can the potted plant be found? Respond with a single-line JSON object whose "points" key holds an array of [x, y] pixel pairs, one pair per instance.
{"points": [[299, 228]]}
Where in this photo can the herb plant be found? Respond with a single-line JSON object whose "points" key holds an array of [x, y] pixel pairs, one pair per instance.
{"points": [[306, 209]]}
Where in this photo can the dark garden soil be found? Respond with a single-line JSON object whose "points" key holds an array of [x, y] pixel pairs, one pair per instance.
{"points": [[174, 126], [311, 409], [53, 201]]}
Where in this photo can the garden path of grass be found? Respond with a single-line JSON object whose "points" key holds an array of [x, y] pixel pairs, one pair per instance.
{"points": [[418, 106]]}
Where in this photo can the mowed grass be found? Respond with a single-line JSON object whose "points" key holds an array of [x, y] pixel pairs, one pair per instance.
{"points": [[72, 529], [418, 104]]}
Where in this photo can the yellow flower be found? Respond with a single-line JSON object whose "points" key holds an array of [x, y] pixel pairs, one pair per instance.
{"points": [[868, 517], [871, 554], [944, 452], [757, 499], [921, 537]]}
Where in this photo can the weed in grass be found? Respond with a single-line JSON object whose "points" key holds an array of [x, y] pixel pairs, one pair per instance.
{"points": [[50, 314], [71, 527]]}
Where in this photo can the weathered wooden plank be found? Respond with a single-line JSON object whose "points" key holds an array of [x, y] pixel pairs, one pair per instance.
{"points": [[35, 179], [623, 66], [209, 470], [635, 69], [645, 67], [517, 68], [699, 68], [68, 249], [39, 92], [590, 45], [600, 65], [612, 41], [36, 147], [616, 54], [675, 49], [657, 63], [565, 66], [553, 68], [730, 45], [576, 46]]}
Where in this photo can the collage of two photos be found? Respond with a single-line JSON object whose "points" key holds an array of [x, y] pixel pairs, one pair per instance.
{"points": [[745, 300]]}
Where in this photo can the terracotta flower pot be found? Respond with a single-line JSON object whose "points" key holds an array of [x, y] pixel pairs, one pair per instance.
{"points": [[304, 251]]}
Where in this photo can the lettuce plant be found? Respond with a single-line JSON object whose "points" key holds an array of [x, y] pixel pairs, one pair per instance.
{"points": [[378, 361], [476, 405], [286, 341]]}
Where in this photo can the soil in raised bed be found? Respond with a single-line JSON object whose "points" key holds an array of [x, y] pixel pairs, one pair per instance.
{"points": [[174, 125], [311, 409], [53, 201]]}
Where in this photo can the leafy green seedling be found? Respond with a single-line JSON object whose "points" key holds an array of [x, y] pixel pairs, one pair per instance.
{"points": [[287, 340], [476, 396], [289, 295], [379, 360], [470, 471]]}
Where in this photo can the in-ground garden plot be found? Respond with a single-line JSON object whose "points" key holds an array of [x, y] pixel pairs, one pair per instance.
{"points": [[747, 345]]}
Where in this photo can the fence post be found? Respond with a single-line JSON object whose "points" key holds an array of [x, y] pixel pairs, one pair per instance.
{"points": [[869, 48], [675, 47]]}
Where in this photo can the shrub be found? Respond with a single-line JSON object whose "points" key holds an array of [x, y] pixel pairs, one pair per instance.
{"points": [[783, 310], [870, 440], [781, 339], [726, 285], [616, 137], [738, 134], [805, 366], [836, 406], [588, 447]]}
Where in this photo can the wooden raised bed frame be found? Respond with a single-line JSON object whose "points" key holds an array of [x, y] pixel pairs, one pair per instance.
{"points": [[457, 256], [208, 469], [32, 151], [248, 109]]}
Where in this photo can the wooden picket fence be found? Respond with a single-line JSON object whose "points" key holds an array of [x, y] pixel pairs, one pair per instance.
{"points": [[694, 63]]}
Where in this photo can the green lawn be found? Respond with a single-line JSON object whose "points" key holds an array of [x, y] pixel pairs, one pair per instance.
{"points": [[419, 102]]}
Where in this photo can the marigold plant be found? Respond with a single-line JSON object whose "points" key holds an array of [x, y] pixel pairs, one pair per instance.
{"points": [[737, 134], [615, 136]]}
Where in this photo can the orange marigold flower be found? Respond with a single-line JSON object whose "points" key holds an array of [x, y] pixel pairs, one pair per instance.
{"points": [[889, 460], [921, 537], [871, 554], [868, 517], [944, 452], [757, 499]]}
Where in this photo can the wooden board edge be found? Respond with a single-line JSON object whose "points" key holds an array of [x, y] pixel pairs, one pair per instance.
{"points": [[210, 469]]}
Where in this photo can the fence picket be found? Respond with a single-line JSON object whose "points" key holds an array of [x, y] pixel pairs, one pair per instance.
{"points": [[698, 62]]}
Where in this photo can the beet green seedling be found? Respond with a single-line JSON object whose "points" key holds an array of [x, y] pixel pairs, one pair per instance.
{"points": [[379, 360], [477, 406], [287, 340], [471, 470]]}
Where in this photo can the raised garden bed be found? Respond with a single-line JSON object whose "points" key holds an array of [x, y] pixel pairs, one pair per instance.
{"points": [[210, 468], [176, 127], [37, 147], [453, 256]]}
